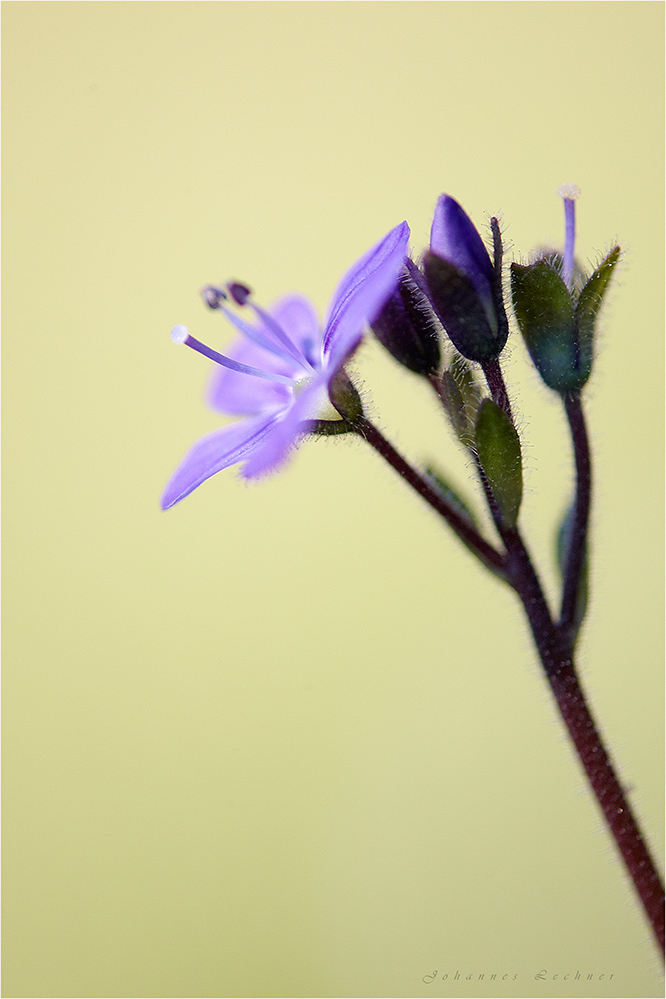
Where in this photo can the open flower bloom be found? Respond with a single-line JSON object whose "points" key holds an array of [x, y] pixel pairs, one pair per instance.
{"points": [[277, 375]]}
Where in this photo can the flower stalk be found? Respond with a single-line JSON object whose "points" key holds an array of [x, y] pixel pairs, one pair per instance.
{"points": [[493, 374], [555, 648]]}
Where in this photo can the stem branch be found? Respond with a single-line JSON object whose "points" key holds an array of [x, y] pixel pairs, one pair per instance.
{"points": [[467, 533]]}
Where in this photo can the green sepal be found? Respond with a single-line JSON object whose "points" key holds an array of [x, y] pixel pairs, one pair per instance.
{"points": [[591, 297], [545, 313], [326, 428], [498, 449], [558, 330], [562, 546], [344, 396], [463, 315]]}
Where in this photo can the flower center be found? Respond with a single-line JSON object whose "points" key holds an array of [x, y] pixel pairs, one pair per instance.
{"points": [[325, 411], [300, 384], [275, 339]]}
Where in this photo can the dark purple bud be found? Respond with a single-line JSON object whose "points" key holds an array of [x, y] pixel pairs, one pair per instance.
{"points": [[461, 311], [239, 292], [407, 326], [454, 238], [463, 284]]}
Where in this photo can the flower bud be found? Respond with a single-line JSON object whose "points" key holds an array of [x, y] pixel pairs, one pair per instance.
{"points": [[558, 325], [464, 286], [407, 326]]}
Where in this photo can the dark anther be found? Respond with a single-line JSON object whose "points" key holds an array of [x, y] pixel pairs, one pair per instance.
{"points": [[239, 292], [212, 296]]}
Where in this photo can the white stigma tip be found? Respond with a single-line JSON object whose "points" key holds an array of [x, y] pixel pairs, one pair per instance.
{"points": [[569, 192], [180, 333]]}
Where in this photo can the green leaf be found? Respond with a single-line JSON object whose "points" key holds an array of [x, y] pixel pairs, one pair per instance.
{"points": [[450, 494], [498, 448], [454, 404]]}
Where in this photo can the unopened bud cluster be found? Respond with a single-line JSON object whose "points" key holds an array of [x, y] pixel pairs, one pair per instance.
{"points": [[458, 288]]}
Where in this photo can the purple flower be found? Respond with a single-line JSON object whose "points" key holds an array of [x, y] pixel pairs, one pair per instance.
{"points": [[278, 374]]}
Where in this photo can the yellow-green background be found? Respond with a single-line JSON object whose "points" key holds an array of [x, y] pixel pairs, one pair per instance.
{"points": [[288, 739]]}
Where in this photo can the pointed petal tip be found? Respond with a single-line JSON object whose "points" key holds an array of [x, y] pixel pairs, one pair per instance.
{"points": [[448, 211], [446, 203], [400, 234], [455, 238], [169, 498], [214, 452]]}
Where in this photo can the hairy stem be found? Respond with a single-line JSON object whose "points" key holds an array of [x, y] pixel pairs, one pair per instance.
{"points": [[609, 793], [577, 548], [493, 559], [497, 386], [554, 644], [556, 653]]}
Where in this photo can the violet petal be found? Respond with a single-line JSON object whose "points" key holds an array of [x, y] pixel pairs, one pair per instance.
{"points": [[273, 450], [361, 294], [212, 453], [237, 394]]}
